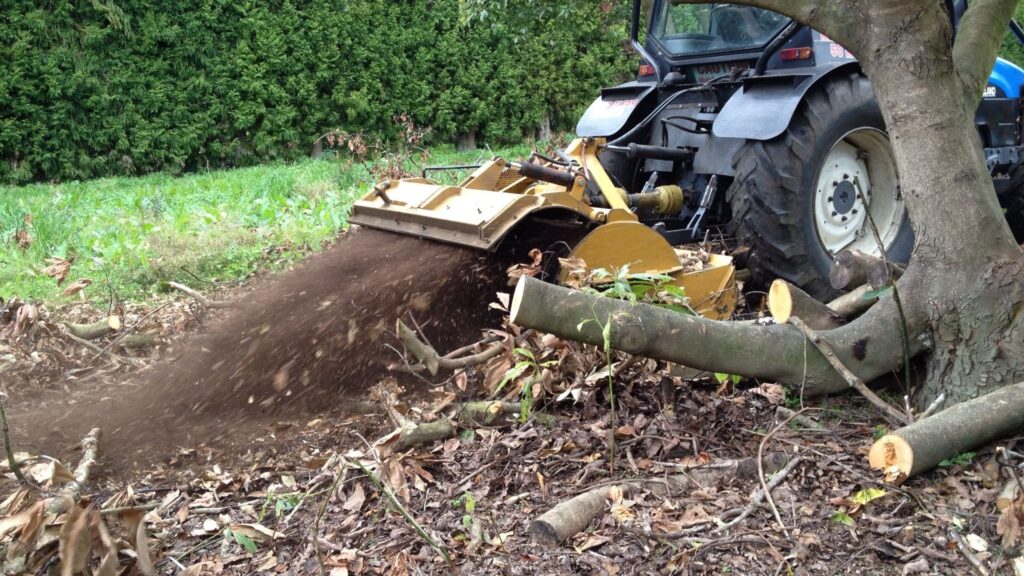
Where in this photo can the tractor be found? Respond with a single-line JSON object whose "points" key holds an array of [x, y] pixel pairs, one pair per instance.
{"points": [[741, 123]]}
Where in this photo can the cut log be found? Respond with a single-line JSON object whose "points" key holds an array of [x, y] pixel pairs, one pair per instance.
{"points": [[99, 329], [851, 268], [853, 303], [786, 301], [570, 517], [870, 347], [468, 415], [139, 341], [920, 446], [425, 434], [882, 273]]}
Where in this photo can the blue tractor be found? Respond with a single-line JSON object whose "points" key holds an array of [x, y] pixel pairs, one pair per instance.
{"points": [[773, 133]]}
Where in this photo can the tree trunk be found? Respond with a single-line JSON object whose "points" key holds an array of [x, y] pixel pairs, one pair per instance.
{"points": [[962, 287], [466, 141]]}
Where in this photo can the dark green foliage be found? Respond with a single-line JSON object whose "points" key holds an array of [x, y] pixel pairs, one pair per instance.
{"points": [[112, 87]]}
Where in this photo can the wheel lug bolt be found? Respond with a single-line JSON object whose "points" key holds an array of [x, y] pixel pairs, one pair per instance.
{"points": [[844, 218], [829, 198], [834, 213], [834, 183], [846, 176], [854, 210]]}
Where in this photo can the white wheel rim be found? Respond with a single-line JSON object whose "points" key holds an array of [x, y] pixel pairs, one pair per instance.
{"points": [[859, 170]]}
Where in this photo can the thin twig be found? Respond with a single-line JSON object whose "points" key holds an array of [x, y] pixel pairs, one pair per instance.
{"points": [[405, 513], [966, 551], [933, 407], [851, 378], [758, 495], [320, 514]]}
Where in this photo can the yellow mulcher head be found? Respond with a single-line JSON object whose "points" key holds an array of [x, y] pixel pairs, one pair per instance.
{"points": [[487, 205]]}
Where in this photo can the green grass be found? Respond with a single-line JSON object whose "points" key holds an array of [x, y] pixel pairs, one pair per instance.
{"points": [[220, 226]]}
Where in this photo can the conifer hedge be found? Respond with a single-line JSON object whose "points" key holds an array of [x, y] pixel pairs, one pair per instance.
{"points": [[106, 87]]}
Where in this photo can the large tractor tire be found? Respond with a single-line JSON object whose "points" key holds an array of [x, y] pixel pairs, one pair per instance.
{"points": [[798, 199], [1012, 201]]}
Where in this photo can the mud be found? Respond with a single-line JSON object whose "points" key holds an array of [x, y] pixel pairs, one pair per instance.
{"points": [[309, 341]]}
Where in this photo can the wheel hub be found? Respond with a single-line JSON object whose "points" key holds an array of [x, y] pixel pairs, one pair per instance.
{"points": [[844, 196], [858, 165]]}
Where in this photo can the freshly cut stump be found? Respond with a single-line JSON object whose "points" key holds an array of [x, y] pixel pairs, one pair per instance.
{"points": [[920, 446], [786, 301]]}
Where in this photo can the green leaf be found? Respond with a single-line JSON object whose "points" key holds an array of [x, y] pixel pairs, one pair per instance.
{"points": [[512, 373], [843, 518], [872, 294], [721, 377], [524, 352], [467, 435], [961, 459], [244, 540], [867, 495]]}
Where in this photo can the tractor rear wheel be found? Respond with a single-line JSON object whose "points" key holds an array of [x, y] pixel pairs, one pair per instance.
{"points": [[804, 196]]}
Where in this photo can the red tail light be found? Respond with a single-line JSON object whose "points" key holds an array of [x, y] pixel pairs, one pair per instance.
{"points": [[787, 54], [646, 70]]}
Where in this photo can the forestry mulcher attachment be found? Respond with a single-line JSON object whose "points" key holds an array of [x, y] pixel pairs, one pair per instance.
{"points": [[741, 123]]}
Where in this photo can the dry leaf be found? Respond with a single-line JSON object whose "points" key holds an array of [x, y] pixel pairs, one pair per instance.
{"points": [[591, 541], [256, 532], [74, 543], [58, 268], [135, 522], [23, 239], [355, 501], [1009, 525], [76, 287]]}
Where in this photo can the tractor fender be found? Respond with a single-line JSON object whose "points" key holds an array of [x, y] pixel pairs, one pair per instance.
{"points": [[763, 107], [617, 108]]}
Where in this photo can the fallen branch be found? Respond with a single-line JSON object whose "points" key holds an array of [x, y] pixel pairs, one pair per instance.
{"points": [[198, 297], [786, 301], [468, 415], [920, 446], [784, 413], [851, 378], [433, 361], [774, 352], [71, 492], [883, 273], [98, 329]]}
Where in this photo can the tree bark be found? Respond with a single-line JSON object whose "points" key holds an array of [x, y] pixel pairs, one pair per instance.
{"points": [[786, 301], [920, 446], [869, 348]]}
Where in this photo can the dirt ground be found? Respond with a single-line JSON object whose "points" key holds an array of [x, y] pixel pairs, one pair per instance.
{"points": [[262, 439]]}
